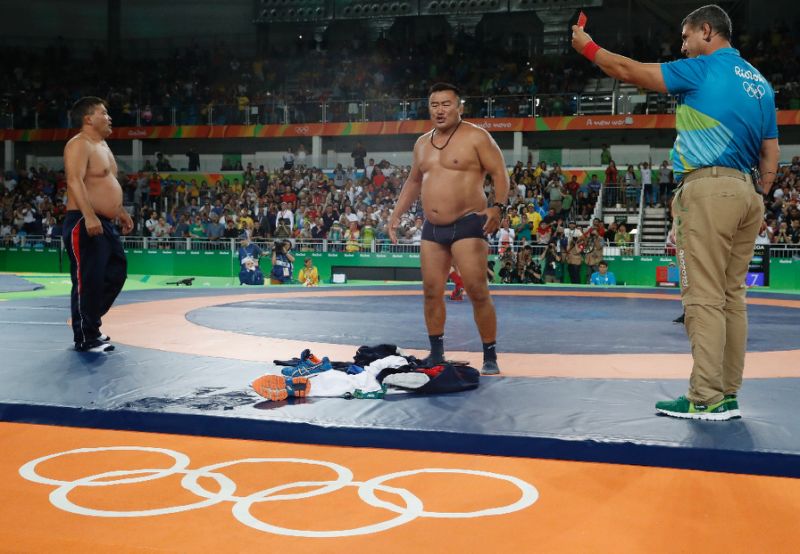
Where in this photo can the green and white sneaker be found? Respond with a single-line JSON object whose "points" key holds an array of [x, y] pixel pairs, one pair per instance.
{"points": [[685, 408], [733, 404]]}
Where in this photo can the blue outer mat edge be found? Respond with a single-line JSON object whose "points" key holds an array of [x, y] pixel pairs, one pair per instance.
{"points": [[614, 452]]}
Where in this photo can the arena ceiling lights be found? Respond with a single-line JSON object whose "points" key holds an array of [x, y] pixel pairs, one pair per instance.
{"points": [[540, 5], [275, 11], [453, 7], [360, 9], [269, 11]]}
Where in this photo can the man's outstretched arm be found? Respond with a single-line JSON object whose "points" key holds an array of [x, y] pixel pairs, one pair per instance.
{"points": [[643, 75]]}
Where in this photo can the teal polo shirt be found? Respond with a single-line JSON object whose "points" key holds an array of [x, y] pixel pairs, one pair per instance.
{"points": [[725, 110]]}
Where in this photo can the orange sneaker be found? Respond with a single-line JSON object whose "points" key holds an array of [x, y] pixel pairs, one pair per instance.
{"points": [[271, 387], [299, 387], [278, 387]]}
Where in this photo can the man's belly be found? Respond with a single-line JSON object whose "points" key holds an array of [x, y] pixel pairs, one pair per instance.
{"points": [[105, 195], [443, 204]]}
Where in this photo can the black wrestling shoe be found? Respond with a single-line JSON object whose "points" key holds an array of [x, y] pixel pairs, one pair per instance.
{"points": [[490, 367], [94, 346], [431, 361], [104, 338], [679, 319]]}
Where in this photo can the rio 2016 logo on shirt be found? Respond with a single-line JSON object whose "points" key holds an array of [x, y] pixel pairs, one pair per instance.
{"points": [[757, 90], [747, 74], [754, 91]]}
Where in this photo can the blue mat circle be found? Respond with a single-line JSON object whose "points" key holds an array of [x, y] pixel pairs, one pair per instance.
{"points": [[526, 324]]}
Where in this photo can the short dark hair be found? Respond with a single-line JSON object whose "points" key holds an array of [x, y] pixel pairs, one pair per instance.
{"points": [[602, 262], [83, 107], [716, 18], [439, 87]]}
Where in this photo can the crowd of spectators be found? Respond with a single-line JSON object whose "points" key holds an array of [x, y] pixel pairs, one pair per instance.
{"points": [[348, 205], [194, 81], [782, 221], [221, 84], [560, 251], [775, 52], [651, 185], [32, 203], [351, 208]]}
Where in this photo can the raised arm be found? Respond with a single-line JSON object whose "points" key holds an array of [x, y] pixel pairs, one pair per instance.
{"points": [[76, 161], [644, 75]]}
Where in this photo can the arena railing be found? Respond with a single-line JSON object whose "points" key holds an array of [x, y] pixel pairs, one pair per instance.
{"points": [[378, 246], [621, 196], [647, 249], [784, 251], [638, 236], [31, 241], [353, 110], [177, 243], [267, 244]]}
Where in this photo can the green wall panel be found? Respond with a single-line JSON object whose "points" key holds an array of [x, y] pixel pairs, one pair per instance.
{"points": [[784, 273], [637, 270], [34, 260], [181, 262], [629, 270]]}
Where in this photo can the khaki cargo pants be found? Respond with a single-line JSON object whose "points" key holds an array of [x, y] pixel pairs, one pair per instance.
{"points": [[717, 217]]}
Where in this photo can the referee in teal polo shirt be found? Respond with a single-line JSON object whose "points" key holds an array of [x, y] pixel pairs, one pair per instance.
{"points": [[726, 125]]}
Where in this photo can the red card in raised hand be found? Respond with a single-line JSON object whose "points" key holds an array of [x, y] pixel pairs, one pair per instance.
{"points": [[582, 19]]}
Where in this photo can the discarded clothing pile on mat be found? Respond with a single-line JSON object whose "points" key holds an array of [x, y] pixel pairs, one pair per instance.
{"points": [[374, 372]]}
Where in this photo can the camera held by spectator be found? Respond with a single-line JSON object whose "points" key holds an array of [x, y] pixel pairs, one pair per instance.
{"points": [[282, 263], [284, 228]]}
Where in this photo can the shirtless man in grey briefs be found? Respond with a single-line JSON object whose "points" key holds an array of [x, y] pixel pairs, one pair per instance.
{"points": [[448, 171]]}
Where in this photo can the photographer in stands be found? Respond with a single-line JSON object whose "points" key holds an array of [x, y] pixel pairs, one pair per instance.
{"points": [[574, 256], [249, 254], [593, 251], [283, 228], [551, 264], [282, 263]]}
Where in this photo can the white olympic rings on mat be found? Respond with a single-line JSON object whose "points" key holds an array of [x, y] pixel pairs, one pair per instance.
{"points": [[754, 91], [410, 509]]}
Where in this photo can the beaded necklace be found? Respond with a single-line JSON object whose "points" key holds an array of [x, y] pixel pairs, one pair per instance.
{"points": [[448, 138]]}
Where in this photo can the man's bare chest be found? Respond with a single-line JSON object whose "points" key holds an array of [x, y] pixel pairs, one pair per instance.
{"points": [[453, 159], [101, 162]]}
